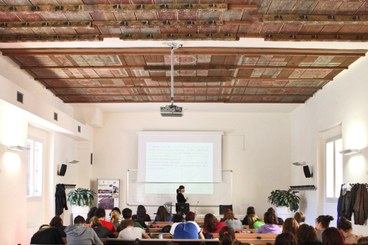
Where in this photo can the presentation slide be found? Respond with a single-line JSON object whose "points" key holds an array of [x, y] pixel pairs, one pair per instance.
{"points": [[179, 157]]}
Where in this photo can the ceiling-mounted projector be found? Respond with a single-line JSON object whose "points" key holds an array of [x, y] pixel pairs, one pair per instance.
{"points": [[171, 111]]}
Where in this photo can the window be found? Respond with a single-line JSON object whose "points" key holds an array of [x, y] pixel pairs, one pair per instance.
{"points": [[334, 168], [34, 168]]}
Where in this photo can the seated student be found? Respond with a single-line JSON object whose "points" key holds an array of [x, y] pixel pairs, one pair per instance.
{"points": [[290, 226], [163, 215], [141, 215], [129, 232], [101, 231], [299, 217], [322, 222], [227, 236], [347, 230], [101, 215], [57, 222], [307, 235], [230, 220], [250, 211], [115, 219], [211, 224], [332, 236], [254, 221], [187, 230], [363, 241], [47, 235], [91, 213], [177, 219], [80, 234], [127, 214], [280, 221], [270, 225], [285, 239]]}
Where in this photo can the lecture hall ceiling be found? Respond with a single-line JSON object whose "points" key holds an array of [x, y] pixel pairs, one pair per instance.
{"points": [[202, 74]]}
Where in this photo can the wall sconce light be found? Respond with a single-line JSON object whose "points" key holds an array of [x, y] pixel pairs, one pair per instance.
{"points": [[349, 152], [62, 169], [299, 163]]}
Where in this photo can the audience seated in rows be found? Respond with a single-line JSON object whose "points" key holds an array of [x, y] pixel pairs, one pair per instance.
{"points": [[80, 234], [285, 238], [322, 222], [332, 236], [211, 224], [101, 231], [129, 232], [347, 230], [163, 215], [290, 226], [270, 225], [230, 220]]}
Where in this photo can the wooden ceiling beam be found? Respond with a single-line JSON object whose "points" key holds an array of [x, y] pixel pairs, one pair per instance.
{"points": [[181, 94], [254, 52], [183, 79], [184, 67], [120, 7], [227, 101], [321, 19], [358, 37], [315, 88]]}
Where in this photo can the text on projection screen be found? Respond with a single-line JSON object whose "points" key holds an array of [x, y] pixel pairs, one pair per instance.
{"points": [[182, 158]]}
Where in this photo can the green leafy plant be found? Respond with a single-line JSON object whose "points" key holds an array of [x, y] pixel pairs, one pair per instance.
{"points": [[283, 198], [81, 197]]}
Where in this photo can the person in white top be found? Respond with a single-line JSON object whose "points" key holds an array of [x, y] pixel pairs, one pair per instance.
{"points": [[129, 232]]}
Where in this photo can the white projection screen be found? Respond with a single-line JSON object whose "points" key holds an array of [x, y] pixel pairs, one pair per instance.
{"points": [[179, 157]]}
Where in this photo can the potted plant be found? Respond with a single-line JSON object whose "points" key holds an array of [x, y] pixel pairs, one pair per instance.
{"points": [[284, 198], [80, 200]]}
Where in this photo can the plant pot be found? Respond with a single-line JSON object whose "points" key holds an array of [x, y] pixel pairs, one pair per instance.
{"points": [[78, 210], [284, 213]]}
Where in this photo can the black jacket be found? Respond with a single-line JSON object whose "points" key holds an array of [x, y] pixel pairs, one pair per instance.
{"points": [[60, 199]]}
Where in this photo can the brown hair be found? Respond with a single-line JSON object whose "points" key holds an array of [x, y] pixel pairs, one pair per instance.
{"points": [[190, 216], [344, 224], [210, 222], [324, 220], [332, 236], [125, 223], [285, 239], [229, 214], [270, 217], [162, 214], [306, 233], [290, 225], [226, 235]]}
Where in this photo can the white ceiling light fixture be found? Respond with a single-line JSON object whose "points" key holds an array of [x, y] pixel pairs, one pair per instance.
{"points": [[172, 110], [349, 152]]}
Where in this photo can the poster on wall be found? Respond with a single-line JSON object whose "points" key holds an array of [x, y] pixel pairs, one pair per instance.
{"points": [[108, 191]]}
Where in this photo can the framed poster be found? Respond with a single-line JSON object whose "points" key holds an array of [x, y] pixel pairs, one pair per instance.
{"points": [[108, 191]]}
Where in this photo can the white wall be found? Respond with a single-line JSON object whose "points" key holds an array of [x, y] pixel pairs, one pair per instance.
{"points": [[25, 215], [259, 167], [344, 101]]}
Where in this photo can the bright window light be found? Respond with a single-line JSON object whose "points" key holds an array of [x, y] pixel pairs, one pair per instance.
{"points": [[334, 167], [34, 168]]}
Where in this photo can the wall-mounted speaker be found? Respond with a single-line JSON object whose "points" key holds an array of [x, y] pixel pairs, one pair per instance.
{"points": [[62, 170], [307, 171]]}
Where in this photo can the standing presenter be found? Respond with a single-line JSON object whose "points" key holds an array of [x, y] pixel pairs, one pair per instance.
{"points": [[179, 195]]}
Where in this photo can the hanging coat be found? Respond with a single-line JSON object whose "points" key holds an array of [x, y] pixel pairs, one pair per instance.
{"points": [[60, 199], [361, 205]]}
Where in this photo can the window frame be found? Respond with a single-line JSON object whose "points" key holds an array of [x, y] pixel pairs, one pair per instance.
{"points": [[36, 170], [336, 190]]}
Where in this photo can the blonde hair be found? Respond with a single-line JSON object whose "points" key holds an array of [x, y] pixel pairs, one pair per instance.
{"points": [[114, 216], [94, 221]]}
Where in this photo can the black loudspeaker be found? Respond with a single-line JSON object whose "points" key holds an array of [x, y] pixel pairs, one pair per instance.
{"points": [[307, 172], [62, 170]]}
